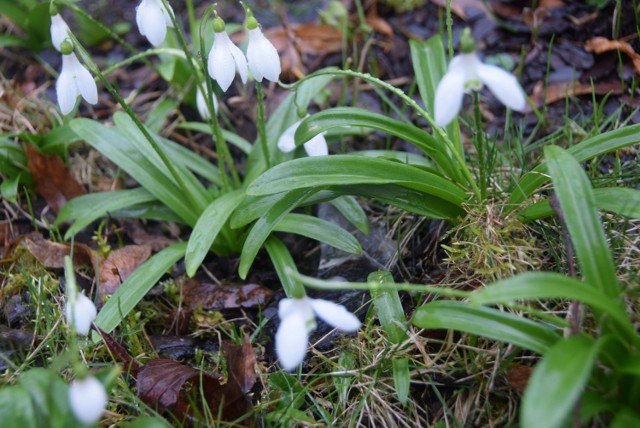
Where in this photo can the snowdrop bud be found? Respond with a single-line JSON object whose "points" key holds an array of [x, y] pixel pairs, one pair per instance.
{"points": [[225, 58], [74, 80], [88, 399], [81, 314], [59, 33], [201, 103], [153, 19]]}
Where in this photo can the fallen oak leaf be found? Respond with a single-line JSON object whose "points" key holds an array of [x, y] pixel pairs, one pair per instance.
{"points": [[600, 45], [119, 265], [52, 179]]}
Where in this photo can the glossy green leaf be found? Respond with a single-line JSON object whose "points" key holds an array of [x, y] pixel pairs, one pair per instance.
{"points": [[547, 285], [487, 322], [341, 170], [265, 225], [577, 202], [320, 230], [389, 308], [557, 381], [252, 208], [16, 406], [9, 188], [588, 149], [112, 143], [404, 157], [230, 137], [134, 288], [353, 212], [351, 116], [401, 378], [618, 200], [208, 226], [85, 209], [284, 263]]}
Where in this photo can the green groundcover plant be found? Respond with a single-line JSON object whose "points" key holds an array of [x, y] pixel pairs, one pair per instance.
{"points": [[237, 211]]}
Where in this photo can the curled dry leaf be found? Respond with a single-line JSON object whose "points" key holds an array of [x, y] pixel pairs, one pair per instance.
{"points": [[53, 181], [241, 364], [559, 91], [51, 254], [120, 264], [600, 45], [214, 297]]}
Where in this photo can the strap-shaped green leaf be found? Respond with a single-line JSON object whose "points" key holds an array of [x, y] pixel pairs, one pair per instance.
{"points": [[342, 170], [320, 230], [557, 381], [284, 264], [207, 228], [487, 322]]}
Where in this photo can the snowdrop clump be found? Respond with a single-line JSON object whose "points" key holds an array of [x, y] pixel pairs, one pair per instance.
{"points": [[88, 399], [467, 72], [81, 314], [298, 320], [153, 19], [317, 146]]}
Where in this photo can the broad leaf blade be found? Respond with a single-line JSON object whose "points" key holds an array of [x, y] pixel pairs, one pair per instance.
{"points": [[487, 322], [284, 264], [320, 230], [557, 382]]}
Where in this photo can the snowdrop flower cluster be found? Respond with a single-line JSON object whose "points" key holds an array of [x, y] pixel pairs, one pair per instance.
{"points": [[153, 19], [317, 146], [81, 314], [298, 320], [74, 79], [226, 59], [466, 72], [88, 399]]}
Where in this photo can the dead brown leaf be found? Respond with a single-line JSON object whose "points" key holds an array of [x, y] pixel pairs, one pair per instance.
{"points": [[51, 254], [121, 263], [518, 377], [551, 4], [140, 236], [303, 39], [216, 297], [53, 181], [600, 45], [241, 364], [461, 7], [558, 91], [378, 24]]}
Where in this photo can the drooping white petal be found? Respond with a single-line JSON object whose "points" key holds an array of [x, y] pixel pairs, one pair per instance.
{"points": [[286, 142], [504, 86], [317, 146], [59, 31], [66, 90], [84, 83], [167, 14], [292, 337], [81, 314], [201, 103], [335, 315], [88, 399], [224, 59], [150, 17], [262, 57], [449, 93]]}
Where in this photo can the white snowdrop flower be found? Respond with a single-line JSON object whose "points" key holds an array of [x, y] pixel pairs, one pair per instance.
{"points": [[81, 314], [88, 399], [298, 320], [59, 31], [317, 146], [201, 103], [262, 56], [225, 58], [467, 72], [153, 19], [74, 80]]}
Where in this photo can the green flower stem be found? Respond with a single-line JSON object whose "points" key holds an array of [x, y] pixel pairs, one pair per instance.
{"points": [[449, 21], [224, 156], [107, 30], [112, 90], [139, 56], [262, 131], [410, 102], [480, 144], [191, 16]]}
